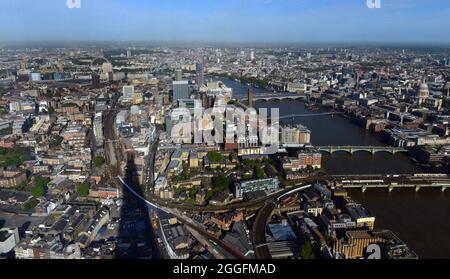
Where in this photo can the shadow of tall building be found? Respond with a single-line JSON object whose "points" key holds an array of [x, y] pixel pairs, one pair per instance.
{"points": [[136, 237]]}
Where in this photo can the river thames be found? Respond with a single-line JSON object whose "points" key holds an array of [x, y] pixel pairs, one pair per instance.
{"points": [[419, 219]]}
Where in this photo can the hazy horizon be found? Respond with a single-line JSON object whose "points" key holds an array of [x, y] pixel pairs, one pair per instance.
{"points": [[227, 22]]}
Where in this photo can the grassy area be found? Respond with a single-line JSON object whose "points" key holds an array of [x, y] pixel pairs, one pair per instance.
{"points": [[56, 141], [22, 187], [99, 161], [30, 205], [13, 156], [214, 156], [84, 189]]}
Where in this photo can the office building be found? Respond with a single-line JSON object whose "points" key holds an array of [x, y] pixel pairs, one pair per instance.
{"points": [[270, 184], [9, 238], [293, 135], [107, 68], [250, 98], [355, 243], [178, 75], [95, 81], [200, 80], [128, 92], [98, 129], [310, 159], [180, 90], [36, 77]]}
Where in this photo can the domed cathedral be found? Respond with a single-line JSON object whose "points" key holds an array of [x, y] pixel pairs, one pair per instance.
{"points": [[423, 93]]}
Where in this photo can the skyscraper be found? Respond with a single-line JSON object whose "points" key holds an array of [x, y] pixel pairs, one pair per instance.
{"points": [[200, 80], [180, 90], [128, 91], [250, 98], [107, 68], [95, 81], [178, 75]]}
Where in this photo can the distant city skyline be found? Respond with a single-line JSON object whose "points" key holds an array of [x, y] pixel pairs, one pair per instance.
{"points": [[227, 21]]}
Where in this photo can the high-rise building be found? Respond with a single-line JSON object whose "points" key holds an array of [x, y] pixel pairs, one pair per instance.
{"points": [[252, 55], [154, 91], [110, 76], [178, 75], [107, 68], [95, 81], [200, 79], [128, 92], [128, 53], [36, 76], [250, 98], [98, 129], [180, 90]]}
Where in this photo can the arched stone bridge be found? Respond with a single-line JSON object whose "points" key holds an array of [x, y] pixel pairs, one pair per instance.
{"points": [[353, 149], [275, 96]]}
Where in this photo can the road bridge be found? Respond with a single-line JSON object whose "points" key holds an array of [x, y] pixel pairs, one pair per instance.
{"points": [[353, 149], [275, 96]]}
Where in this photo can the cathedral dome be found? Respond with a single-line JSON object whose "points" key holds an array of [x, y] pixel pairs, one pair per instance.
{"points": [[423, 87]]}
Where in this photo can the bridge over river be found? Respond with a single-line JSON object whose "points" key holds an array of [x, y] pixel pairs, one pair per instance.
{"points": [[276, 96], [416, 181], [353, 149]]}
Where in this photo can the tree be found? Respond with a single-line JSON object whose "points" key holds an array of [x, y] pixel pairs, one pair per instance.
{"points": [[269, 161], [21, 187], [56, 141], [41, 181], [209, 195], [99, 161], [248, 162], [221, 183], [307, 251], [193, 193], [13, 156], [258, 172], [38, 191], [214, 156], [83, 189], [51, 110], [30, 205]]}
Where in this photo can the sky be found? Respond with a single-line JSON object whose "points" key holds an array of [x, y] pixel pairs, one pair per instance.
{"points": [[235, 21]]}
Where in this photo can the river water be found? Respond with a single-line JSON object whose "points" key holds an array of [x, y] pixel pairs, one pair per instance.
{"points": [[421, 219]]}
